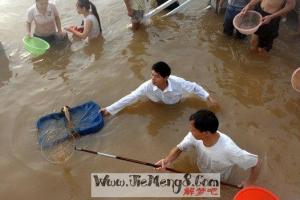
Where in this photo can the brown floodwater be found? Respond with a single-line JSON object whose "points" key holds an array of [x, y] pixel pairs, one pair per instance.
{"points": [[259, 109]]}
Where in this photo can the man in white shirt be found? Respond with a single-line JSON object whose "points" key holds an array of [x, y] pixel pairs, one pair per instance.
{"points": [[216, 152], [162, 87]]}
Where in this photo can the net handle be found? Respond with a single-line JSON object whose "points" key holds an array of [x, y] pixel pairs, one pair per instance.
{"points": [[144, 163]]}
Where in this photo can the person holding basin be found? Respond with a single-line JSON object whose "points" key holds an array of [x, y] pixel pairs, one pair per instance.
{"points": [[47, 22]]}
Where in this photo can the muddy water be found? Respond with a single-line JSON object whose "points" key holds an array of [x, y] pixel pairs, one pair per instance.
{"points": [[259, 110]]}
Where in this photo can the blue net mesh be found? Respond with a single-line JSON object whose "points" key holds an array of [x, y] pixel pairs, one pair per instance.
{"points": [[85, 117]]}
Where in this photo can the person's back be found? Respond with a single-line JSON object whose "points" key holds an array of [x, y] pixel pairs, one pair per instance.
{"points": [[95, 30]]}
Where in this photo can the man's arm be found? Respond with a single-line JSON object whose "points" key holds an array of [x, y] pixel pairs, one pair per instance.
{"points": [[57, 21], [172, 156], [129, 8], [29, 22], [254, 173], [245, 160], [28, 28], [125, 101], [196, 89], [58, 25]]}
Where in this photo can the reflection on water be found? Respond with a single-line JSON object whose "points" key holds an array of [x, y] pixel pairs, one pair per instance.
{"points": [[135, 52], [5, 72], [259, 109], [157, 112], [94, 48]]}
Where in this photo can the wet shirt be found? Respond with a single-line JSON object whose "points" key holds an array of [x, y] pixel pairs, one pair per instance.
{"points": [[95, 31], [219, 158], [45, 24], [137, 4], [172, 94], [238, 3]]}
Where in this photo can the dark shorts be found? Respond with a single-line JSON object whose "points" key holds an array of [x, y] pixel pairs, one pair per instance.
{"points": [[54, 39], [228, 28], [267, 32], [170, 7]]}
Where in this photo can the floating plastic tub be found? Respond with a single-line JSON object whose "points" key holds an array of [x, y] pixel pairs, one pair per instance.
{"points": [[36, 46], [255, 193], [247, 23], [296, 80]]}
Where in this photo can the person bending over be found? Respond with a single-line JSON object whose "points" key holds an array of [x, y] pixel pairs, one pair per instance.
{"points": [[216, 152]]}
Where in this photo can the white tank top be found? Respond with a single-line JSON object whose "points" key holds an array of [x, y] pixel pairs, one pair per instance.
{"points": [[95, 31]]}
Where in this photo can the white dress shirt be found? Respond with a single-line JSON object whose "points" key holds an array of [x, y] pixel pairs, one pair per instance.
{"points": [[219, 158], [172, 94]]}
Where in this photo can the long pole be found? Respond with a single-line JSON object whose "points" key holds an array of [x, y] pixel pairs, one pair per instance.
{"points": [[141, 162]]}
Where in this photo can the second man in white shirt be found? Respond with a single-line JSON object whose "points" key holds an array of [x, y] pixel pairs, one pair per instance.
{"points": [[162, 87]]}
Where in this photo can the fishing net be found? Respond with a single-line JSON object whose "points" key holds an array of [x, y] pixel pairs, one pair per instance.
{"points": [[57, 145], [57, 136]]}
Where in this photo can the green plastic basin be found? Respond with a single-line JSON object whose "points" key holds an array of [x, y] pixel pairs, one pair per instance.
{"points": [[35, 45]]}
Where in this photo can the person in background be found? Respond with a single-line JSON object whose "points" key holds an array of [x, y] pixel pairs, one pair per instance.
{"points": [[216, 152], [271, 10], [135, 10], [163, 87], [47, 22], [91, 24], [233, 8]]}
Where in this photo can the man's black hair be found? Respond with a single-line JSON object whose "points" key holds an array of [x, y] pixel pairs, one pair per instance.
{"points": [[205, 120], [162, 69]]}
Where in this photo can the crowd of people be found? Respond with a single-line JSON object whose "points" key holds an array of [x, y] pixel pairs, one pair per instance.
{"points": [[48, 24], [216, 152]]}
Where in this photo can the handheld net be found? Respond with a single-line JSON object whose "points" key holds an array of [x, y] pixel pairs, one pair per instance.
{"points": [[57, 146]]}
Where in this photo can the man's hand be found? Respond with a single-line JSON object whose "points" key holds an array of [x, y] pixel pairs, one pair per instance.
{"points": [[245, 9], [163, 163], [267, 19], [70, 29], [211, 103], [104, 112]]}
